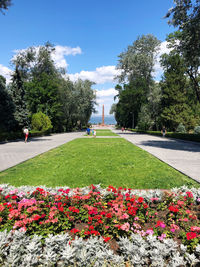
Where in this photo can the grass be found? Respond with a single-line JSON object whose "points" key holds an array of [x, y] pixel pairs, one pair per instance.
{"points": [[92, 161], [104, 132]]}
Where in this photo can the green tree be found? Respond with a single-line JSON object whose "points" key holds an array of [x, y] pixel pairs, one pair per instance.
{"points": [[41, 122], [18, 94], [186, 17], [41, 82], [149, 116], [4, 5], [136, 67], [85, 100], [7, 121], [43, 95], [174, 85]]}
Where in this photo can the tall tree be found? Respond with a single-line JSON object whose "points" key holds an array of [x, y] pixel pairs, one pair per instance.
{"points": [[149, 116], [19, 99], [174, 86], [136, 65], [7, 121], [4, 5], [186, 17]]}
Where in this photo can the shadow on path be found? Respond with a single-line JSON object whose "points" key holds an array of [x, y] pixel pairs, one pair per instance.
{"points": [[174, 145], [35, 139]]}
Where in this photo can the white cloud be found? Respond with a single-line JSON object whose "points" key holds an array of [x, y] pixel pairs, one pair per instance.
{"points": [[106, 93], [6, 72], [60, 52], [158, 68], [105, 97], [104, 74], [58, 56]]}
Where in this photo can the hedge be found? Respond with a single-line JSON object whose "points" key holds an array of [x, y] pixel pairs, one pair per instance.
{"points": [[182, 136], [6, 136]]}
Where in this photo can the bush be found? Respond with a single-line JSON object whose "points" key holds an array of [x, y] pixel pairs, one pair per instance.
{"points": [[182, 136], [5, 136], [197, 130], [181, 128], [41, 122]]}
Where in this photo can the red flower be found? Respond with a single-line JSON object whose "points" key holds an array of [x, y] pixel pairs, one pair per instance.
{"points": [[189, 194], [106, 239], [36, 217], [145, 205], [191, 235], [140, 199], [109, 215], [61, 209], [173, 209], [14, 197], [74, 231]]}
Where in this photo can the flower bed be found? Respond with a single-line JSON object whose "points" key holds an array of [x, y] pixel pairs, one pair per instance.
{"points": [[92, 225]]}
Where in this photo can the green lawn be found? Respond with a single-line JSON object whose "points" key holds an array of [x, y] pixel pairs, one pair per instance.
{"points": [[104, 132], [92, 161]]}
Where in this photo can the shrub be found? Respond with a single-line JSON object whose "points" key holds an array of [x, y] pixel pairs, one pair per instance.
{"points": [[181, 128], [5, 136], [41, 122], [197, 130]]}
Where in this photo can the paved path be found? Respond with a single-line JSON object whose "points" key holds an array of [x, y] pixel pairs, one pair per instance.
{"points": [[13, 153], [181, 155]]}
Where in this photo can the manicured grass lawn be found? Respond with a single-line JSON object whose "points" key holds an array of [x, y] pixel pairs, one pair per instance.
{"points": [[92, 161], [104, 132]]}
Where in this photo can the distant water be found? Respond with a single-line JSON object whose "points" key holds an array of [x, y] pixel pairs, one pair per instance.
{"points": [[108, 119]]}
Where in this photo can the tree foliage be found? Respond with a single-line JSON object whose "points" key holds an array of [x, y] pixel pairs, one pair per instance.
{"points": [[186, 17], [175, 101], [136, 65], [7, 121], [38, 86], [4, 5], [41, 122], [18, 94]]}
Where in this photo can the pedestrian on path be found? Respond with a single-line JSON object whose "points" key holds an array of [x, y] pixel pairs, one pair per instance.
{"points": [[26, 133], [163, 131], [88, 131], [95, 133]]}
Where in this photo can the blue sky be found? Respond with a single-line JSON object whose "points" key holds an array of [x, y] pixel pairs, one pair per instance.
{"points": [[88, 35]]}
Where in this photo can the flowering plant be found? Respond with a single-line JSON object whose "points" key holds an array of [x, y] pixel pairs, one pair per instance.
{"points": [[109, 213]]}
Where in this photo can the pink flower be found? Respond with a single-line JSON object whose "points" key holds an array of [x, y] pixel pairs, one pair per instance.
{"points": [[160, 224], [174, 227], [195, 229], [136, 225], [149, 232], [161, 237], [136, 219], [1, 208], [154, 199], [125, 216], [125, 226], [22, 229]]}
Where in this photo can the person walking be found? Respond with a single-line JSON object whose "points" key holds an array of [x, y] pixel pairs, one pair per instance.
{"points": [[163, 131], [88, 131], [26, 133], [95, 133]]}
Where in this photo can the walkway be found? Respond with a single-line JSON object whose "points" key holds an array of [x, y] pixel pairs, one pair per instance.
{"points": [[13, 153], [181, 155]]}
